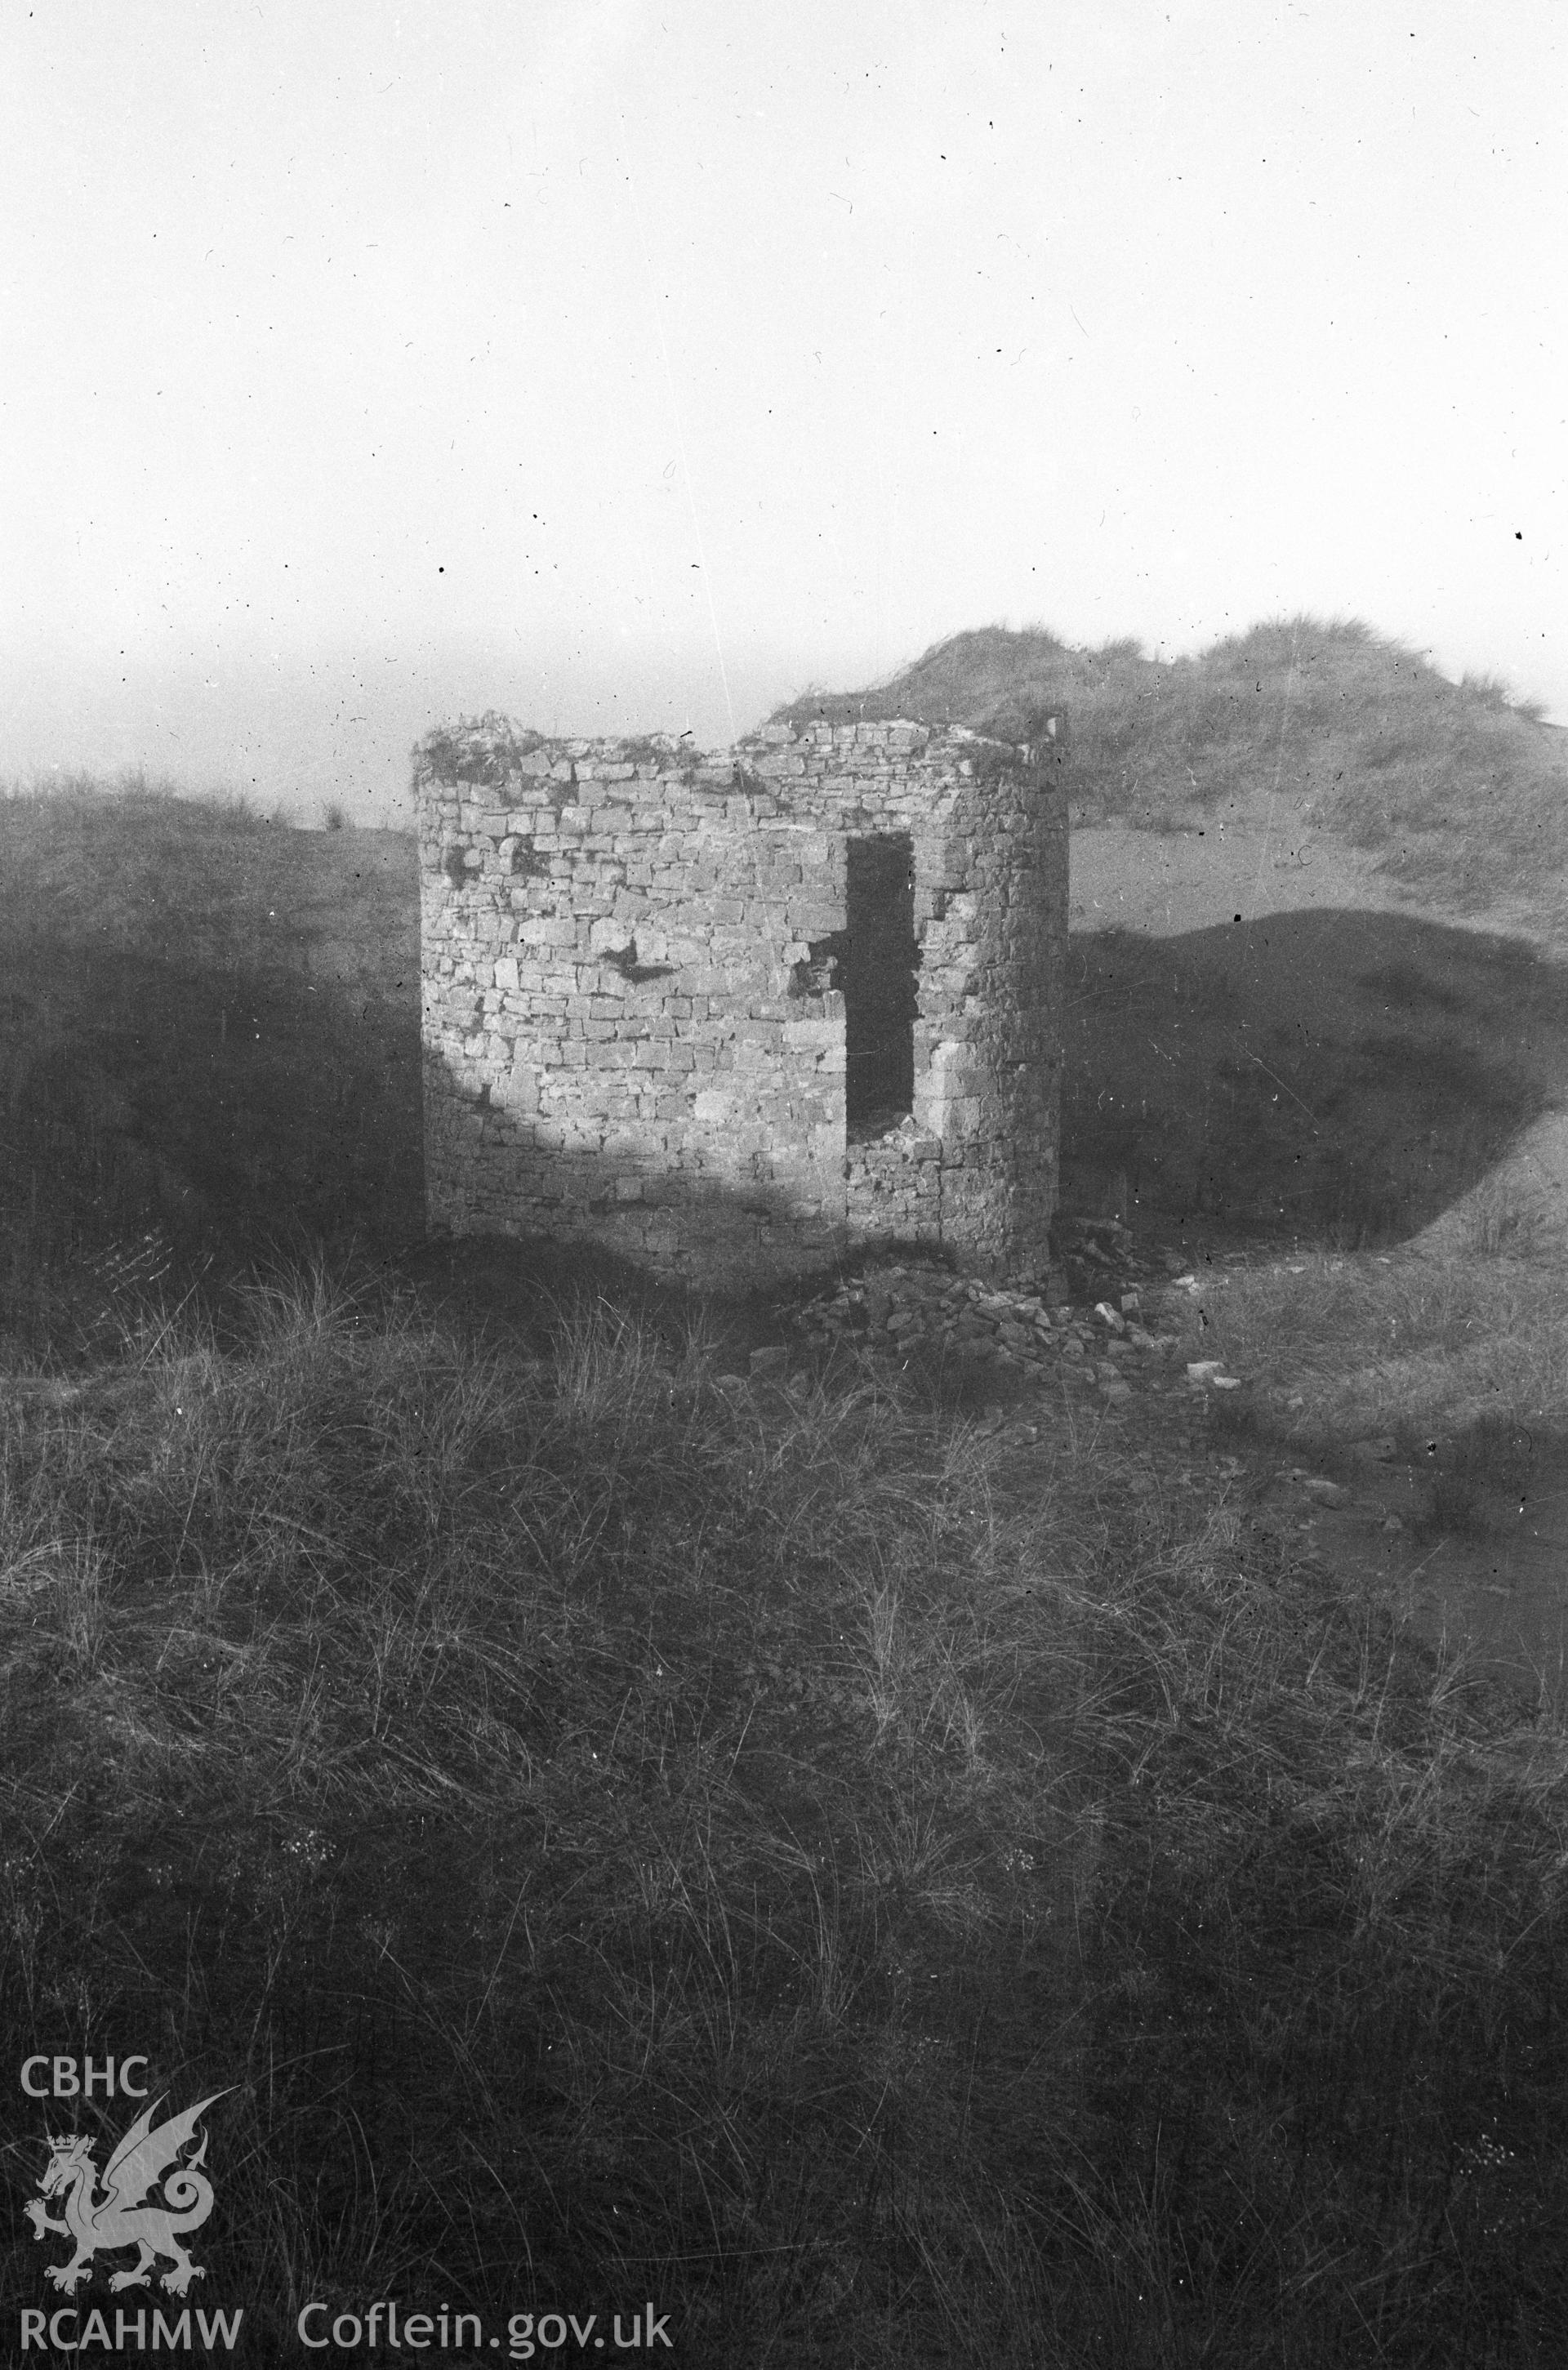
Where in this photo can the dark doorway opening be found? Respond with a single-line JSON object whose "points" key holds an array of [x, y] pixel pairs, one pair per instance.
{"points": [[876, 971]]}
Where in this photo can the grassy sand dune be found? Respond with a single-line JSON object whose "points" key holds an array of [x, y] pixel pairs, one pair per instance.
{"points": [[1330, 1078], [884, 1889], [1318, 1005], [1452, 787], [209, 1046]]}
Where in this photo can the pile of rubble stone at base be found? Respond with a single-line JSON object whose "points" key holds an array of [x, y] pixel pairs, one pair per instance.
{"points": [[900, 1308], [1098, 1253]]}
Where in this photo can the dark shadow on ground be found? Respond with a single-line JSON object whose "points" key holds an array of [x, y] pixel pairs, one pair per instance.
{"points": [[542, 1229], [1332, 1078], [510, 1291], [175, 1120], [209, 1045], [167, 1120]]}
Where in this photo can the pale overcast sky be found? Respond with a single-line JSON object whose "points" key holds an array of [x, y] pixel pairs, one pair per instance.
{"points": [[635, 365]]}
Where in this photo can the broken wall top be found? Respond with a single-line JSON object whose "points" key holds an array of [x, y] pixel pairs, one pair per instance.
{"points": [[488, 751]]}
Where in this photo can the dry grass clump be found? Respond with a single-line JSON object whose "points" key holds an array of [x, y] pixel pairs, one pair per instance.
{"points": [[773, 1853], [591, 1746]]}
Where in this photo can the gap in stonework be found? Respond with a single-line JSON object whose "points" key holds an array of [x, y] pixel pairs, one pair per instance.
{"points": [[876, 972]]}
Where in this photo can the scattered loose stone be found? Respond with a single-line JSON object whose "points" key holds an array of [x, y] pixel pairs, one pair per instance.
{"points": [[1027, 1331], [1382, 1451], [1203, 1375], [1325, 1493]]}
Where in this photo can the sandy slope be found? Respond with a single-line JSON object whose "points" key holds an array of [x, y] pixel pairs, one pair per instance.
{"points": [[1503, 1590], [1258, 862]]}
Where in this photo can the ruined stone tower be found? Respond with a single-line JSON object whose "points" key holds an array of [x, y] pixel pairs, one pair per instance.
{"points": [[733, 1015]]}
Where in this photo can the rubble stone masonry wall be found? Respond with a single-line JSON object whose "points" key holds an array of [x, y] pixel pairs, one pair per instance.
{"points": [[631, 1031]]}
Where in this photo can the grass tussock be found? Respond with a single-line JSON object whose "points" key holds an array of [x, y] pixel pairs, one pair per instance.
{"points": [[614, 1838]]}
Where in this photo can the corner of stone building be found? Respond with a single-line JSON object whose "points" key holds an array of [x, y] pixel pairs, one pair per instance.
{"points": [[632, 1029]]}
